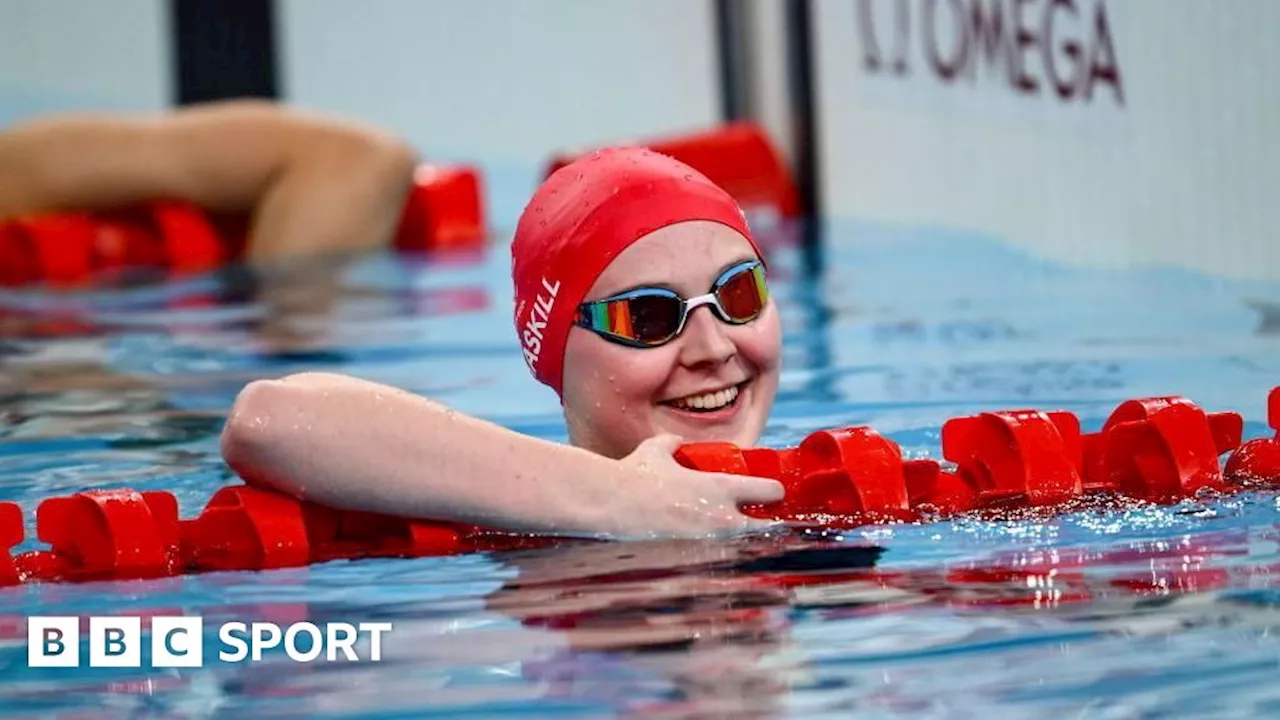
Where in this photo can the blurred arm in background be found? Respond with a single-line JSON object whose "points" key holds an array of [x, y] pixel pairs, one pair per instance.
{"points": [[304, 183]]}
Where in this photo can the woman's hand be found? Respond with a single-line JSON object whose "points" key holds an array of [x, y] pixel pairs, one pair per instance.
{"points": [[659, 497]]}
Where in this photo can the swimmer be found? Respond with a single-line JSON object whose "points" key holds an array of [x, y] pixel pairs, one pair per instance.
{"points": [[641, 301], [293, 183]]}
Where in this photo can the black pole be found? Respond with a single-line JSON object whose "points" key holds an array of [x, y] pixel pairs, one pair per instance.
{"points": [[734, 54], [804, 122], [223, 49]]}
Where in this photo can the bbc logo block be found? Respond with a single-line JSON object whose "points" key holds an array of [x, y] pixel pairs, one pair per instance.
{"points": [[178, 641], [53, 642], [115, 642]]}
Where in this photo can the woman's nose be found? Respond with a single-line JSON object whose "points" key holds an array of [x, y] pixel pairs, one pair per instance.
{"points": [[705, 340]]}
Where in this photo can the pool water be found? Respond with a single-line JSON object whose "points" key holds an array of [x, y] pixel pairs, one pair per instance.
{"points": [[1124, 612]]}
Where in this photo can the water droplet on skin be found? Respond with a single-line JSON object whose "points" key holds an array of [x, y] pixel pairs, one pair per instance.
{"points": [[689, 177], [542, 223]]}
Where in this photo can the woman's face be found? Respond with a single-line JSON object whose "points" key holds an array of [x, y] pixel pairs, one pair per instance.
{"points": [[714, 382]]}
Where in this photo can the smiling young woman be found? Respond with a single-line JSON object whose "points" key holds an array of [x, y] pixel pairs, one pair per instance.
{"points": [[641, 300]]}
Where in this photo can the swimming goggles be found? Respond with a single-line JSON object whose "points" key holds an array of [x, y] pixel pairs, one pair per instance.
{"points": [[653, 316]]}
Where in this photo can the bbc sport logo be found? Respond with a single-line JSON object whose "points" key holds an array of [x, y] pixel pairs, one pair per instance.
{"points": [[179, 642]]}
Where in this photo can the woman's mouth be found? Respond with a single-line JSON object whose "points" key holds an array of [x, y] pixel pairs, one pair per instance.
{"points": [[708, 403]]}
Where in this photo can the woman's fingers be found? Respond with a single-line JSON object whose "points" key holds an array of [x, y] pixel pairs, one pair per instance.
{"points": [[749, 490]]}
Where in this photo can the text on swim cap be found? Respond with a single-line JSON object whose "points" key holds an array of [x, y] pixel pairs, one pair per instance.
{"points": [[536, 322]]}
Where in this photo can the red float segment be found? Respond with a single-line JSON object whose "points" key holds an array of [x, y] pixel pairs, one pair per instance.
{"points": [[11, 533], [725, 457], [720, 457], [191, 244], [1096, 478], [423, 538], [1162, 449], [125, 534], [62, 245], [110, 534], [128, 238], [1273, 410], [833, 472], [738, 157], [115, 243], [1255, 462], [363, 534], [729, 458], [1226, 429], [780, 465], [18, 264], [946, 493], [444, 210], [1017, 457], [67, 248], [46, 566], [850, 470], [246, 528]]}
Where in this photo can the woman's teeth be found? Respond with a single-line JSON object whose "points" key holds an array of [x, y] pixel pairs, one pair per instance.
{"points": [[707, 401]]}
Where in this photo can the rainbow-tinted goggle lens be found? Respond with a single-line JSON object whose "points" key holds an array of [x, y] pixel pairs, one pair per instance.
{"points": [[649, 317]]}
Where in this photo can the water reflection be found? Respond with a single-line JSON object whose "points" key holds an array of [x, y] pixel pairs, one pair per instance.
{"points": [[127, 370]]}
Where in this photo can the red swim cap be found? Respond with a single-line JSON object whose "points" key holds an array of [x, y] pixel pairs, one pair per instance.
{"points": [[579, 220]]}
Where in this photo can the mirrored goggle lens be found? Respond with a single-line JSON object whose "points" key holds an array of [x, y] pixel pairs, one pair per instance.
{"points": [[644, 318], [744, 294]]}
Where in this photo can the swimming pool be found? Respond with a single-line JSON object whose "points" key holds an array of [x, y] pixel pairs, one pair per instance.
{"points": [[1133, 612]]}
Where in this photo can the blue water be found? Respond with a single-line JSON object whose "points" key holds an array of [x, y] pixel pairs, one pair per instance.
{"points": [[1135, 612]]}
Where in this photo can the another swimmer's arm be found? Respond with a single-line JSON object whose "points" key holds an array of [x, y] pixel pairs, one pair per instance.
{"points": [[309, 183], [352, 444]]}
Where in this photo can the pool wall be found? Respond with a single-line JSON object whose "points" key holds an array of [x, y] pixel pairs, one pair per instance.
{"points": [[1090, 131]]}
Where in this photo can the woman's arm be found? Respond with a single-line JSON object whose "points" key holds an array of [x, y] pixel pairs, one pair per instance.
{"points": [[352, 444], [308, 183]]}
